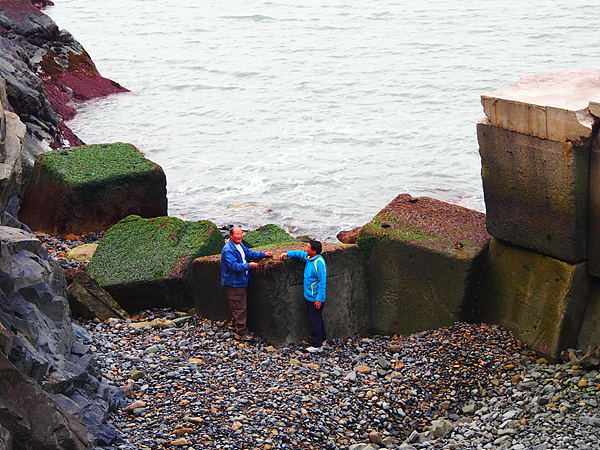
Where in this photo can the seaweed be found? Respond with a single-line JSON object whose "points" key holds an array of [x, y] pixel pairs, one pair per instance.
{"points": [[137, 249]]}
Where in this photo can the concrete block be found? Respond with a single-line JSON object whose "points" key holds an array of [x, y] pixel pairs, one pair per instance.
{"points": [[552, 105], [540, 299], [424, 259], [594, 210], [91, 188], [536, 191], [144, 263], [589, 335], [276, 305]]}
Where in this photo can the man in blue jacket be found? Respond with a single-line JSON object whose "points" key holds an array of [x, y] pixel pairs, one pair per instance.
{"points": [[315, 282], [235, 276]]}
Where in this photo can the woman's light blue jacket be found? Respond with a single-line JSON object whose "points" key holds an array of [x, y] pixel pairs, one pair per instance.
{"points": [[315, 275]]}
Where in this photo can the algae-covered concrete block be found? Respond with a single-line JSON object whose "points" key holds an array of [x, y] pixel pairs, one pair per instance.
{"points": [[424, 258], [536, 191], [92, 187], [143, 263], [539, 298], [276, 305], [589, 334]]}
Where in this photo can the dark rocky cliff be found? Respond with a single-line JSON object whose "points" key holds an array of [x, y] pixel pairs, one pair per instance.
{"points": [[52, 394]]}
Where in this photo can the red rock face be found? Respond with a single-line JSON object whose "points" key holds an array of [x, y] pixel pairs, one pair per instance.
{"points": [[17, 9], [72, 76], [78, 81], [66, 70], [41, 3]]}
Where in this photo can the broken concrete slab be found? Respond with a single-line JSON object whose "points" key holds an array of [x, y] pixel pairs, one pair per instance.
{"points": [[553, 105]]}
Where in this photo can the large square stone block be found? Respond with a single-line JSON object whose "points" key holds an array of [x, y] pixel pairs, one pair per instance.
{"points": [[144, 263], [539, 298], [594, 209], [92, 187], [424, 258], [536, 191]]}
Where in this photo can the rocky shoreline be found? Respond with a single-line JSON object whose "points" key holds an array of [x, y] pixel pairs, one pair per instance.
{"points": [[191, 385]]}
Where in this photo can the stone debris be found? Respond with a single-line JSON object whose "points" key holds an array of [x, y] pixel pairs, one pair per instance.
{"points": [[467, 386], [59, 248]]}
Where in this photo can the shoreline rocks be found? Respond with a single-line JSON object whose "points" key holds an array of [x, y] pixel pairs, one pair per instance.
{"points": [[42, 342], [465, 386]]}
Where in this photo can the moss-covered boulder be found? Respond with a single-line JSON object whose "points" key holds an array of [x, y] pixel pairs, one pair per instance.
{"points": [[539, 298], [267, 235], [423, 260], [276, 305], [143, 263], [92, 187]]}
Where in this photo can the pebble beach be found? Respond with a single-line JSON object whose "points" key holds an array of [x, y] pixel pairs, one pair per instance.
{"points": [[191, 385]]}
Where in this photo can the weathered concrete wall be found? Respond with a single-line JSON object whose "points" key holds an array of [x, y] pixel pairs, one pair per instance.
{"points": [[594, 210], [540, 159], [424, 259], [540, 298], [276, 305], [536, 191], [589, 335]]}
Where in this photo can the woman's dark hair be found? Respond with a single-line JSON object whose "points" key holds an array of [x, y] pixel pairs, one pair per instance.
{"points": [[316, 246]]}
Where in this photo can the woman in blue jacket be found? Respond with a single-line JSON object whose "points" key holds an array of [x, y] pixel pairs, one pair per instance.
{"points": [[315, 283], [235, 276]]}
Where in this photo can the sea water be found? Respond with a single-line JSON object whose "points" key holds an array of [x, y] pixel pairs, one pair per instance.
{"points": [[314, 115]]}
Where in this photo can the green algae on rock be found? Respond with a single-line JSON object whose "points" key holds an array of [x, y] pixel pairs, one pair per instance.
{"points": [[91, 188], [89, 165], [143, 263], [137, 249], [267, 235]]}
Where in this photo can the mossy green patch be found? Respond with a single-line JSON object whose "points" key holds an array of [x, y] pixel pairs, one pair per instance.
{"points": [[90, 165], [267, 235], [137, 249]]}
